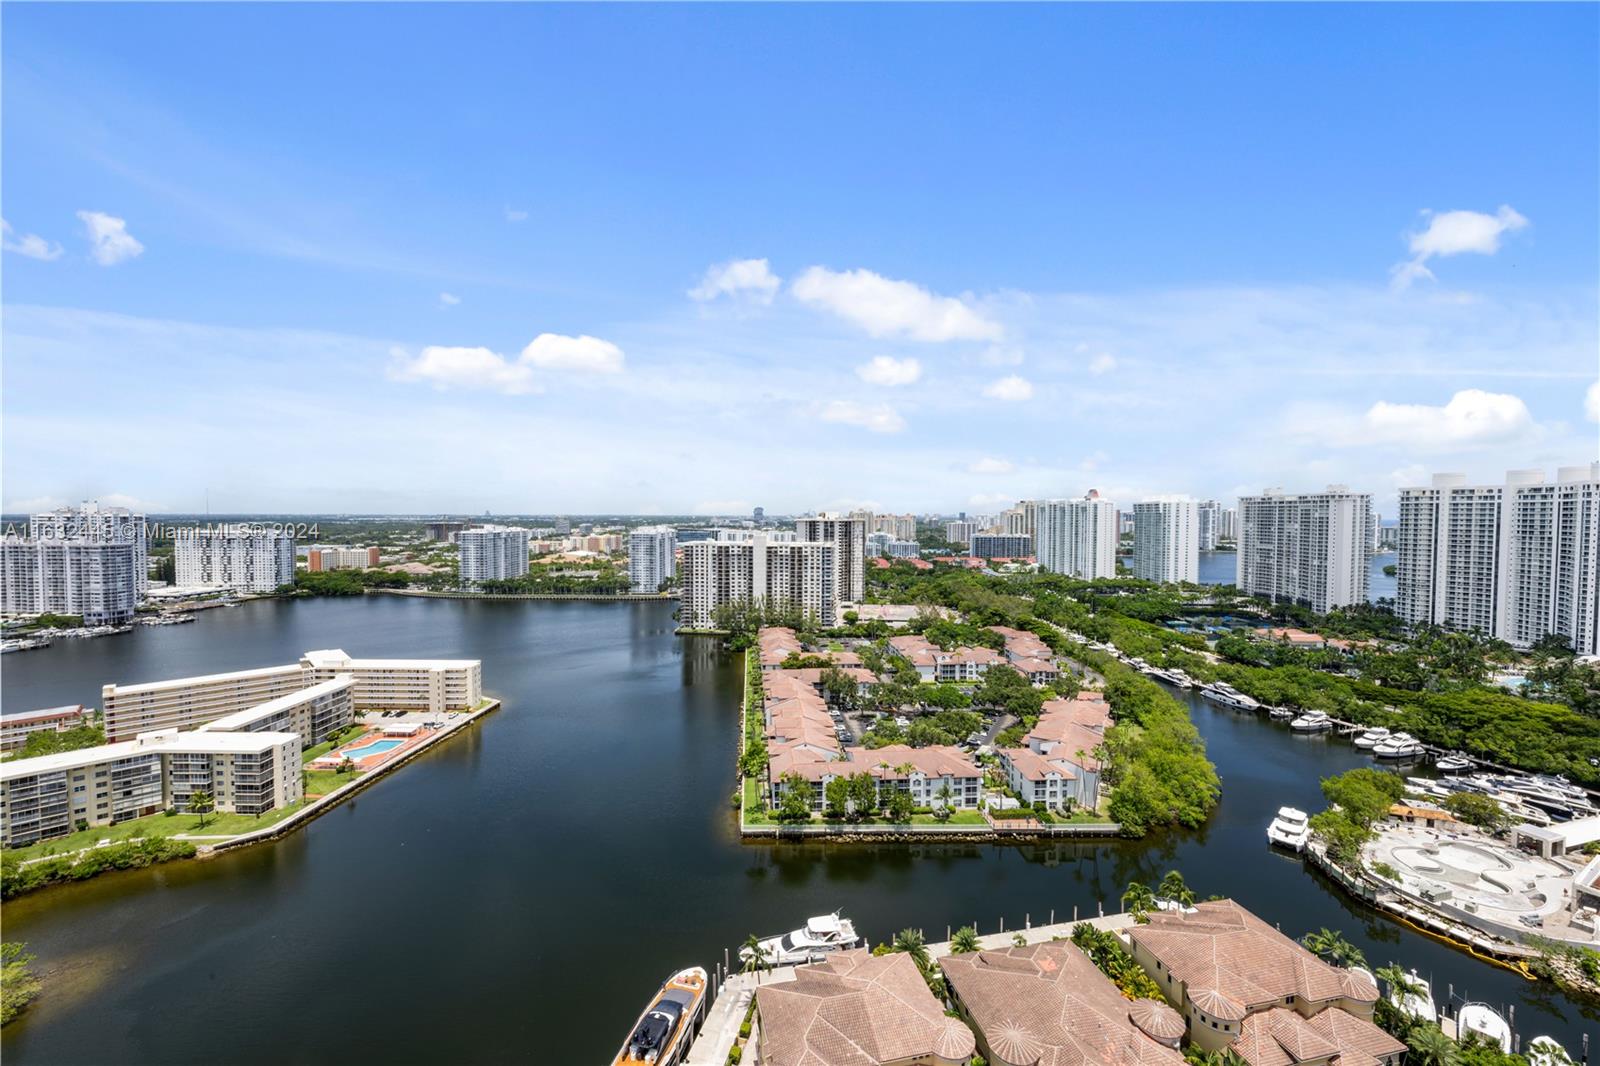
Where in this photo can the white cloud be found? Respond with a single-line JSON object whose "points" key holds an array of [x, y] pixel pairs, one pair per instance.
{"points": [[750, 279], [464, 368], [514, 215], [1104, 363], [448, 299], [887, 370], [1011, 387], [1452, 233], [879, 418], [110, 242], [1472, 417], [885, 307], [1000, 355], [1410, 476], [31, 244], [990, 465], [1591, 403], [585, 354]]}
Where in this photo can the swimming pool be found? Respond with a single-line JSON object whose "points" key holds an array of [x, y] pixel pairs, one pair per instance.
{"points": [[376, 747]]}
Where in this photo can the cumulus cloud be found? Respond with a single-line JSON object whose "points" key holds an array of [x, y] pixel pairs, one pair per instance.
{"points": [[885, 307], [463, 368], [448, 299], [30, 244], [1452, 233], [991, 465], [1591, 403], [585, 354], [879, 418], [1104, 363], [1472, 417], [1011, 387], [749, 279], [110, 242], [887, 370]]}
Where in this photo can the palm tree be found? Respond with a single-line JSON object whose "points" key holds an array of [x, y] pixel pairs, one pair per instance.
{"points": [[1174, 888], [1430, 1047], [201, 803], [754, 955], [912, 943], [1137, 900], [946, 799], [964, 941], [1332, 947], [1400, 983]]}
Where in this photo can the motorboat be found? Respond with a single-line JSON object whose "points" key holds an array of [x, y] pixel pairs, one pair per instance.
{"points": [[1371, 737], [1312, 722], [1398, 746], [1290, 829], [1281, 713], [1228, 696], [1545, 1051], [1548, 795], [1417, 1001], [663, 1032], [1485, 1023], [820, 935], [1181, 679], [1454, 763]]}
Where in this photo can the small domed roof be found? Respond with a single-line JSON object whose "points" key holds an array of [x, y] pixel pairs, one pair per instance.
{"points": [[1157, 1020], [1013, 1045], [955, 1041]]}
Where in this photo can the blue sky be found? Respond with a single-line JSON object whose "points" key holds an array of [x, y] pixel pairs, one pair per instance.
{"points": [[680, 258]]}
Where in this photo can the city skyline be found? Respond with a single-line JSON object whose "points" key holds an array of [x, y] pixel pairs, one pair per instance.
{"points": [[920, 284]]}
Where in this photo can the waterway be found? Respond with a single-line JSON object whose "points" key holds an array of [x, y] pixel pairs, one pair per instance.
{"points": [[519, 893]]}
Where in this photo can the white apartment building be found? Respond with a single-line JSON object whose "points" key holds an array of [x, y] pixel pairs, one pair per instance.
{"points": [[1307, 548], [101, 525], [961, 531], [1077, 537], [190, 702], [1166, 540], [1517, 561], [314, 713], [883, 544], [1017, 521], [49, 796], [244, 557], [652, 557], [492, 553], [95, 579], [1210, 515], [1000, 546], [848, 534], [434, 685], [745, 566]]}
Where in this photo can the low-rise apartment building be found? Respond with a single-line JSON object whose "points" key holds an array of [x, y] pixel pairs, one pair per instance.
{"points": [[16, 728], [52, 795], [1057, 763], [315, 713], [1029, 655], [436, 685], [1240, 982], [320, 559], [925, 773], [190, 702], [935, 664]]}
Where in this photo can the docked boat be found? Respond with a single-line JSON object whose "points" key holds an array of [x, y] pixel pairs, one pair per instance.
{"points": [[1398, 746], [1484, 1022], [1417, 1002], [662, 1035], [820, 935], [1181, 679], [1290, 829], [1371, 738], [1545, 1051], [1281, 713], [1454, 763], [1228, 696], [1312, 722]]}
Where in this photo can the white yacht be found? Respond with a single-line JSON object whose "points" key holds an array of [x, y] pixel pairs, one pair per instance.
{"points": [[1478, 1019], [1398, 746], [1290, 829], [809, 943], [1454, 763], [1281, 713], [1418, 1003], [1371, 737], [1312, 722], [1225, 694]]}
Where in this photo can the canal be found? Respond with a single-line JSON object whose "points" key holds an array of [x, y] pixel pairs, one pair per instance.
{"points": [[519, 893]]}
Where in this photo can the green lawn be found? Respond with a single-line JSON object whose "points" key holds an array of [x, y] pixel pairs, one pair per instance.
{"points": [[343, 737], [322, 782], [152, 826]]}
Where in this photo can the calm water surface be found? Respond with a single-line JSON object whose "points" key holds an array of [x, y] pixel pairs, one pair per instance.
{"points": [[518, 894], [1222, 568]]}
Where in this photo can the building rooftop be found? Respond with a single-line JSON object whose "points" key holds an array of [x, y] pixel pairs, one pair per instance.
{"points": [[240, 719], [1049, 1004], [166, 740], [1280, 1037], [185, 682], [24, 717], [857, 1009]]}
